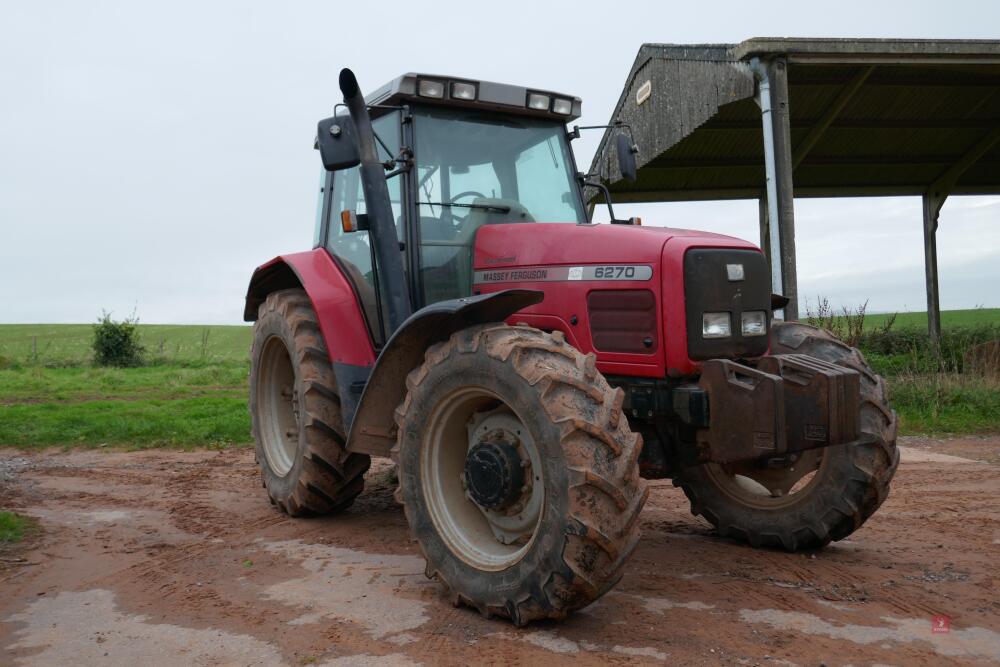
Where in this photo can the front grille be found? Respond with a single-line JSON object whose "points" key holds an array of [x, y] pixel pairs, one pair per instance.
{"points": [[708, 288], [623, 321]]}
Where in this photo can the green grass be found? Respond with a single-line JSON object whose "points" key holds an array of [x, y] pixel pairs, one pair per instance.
{"points": [[69, 344], [218, 419], [40, 384], [949, 318], [13, 527]]}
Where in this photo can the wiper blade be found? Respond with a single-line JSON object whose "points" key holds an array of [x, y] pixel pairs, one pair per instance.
{"points": [[485, 207]]}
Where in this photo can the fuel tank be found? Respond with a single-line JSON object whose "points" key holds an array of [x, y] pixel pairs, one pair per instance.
{"points": [[614, 290]]}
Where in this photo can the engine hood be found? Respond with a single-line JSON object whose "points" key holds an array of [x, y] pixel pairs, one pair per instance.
{"points": [[546, 243], [602, 284]]}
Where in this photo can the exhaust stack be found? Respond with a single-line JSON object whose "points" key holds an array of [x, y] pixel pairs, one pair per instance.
{"points": [[382, 225]]}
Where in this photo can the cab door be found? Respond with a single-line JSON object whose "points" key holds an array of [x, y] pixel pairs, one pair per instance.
{"points": [[342, 191]]}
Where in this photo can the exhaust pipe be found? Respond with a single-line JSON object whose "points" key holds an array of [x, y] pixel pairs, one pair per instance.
{"points": [[381, 222]]}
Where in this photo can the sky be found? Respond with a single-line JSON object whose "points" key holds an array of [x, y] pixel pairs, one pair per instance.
{"points": [[153, 153]]}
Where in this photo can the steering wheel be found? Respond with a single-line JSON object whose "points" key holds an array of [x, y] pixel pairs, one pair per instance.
{"points": [[462, 195]]}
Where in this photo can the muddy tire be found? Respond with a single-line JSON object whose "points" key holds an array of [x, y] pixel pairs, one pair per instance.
{"points": [[295, 412], [573, 520], [848, 483]]}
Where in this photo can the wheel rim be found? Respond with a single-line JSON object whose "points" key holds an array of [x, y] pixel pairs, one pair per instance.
{"points": [[487, 539], [277, 406], [763, 485]]}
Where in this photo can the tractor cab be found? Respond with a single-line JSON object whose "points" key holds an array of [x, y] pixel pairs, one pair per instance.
{"points": [[458, 155]]}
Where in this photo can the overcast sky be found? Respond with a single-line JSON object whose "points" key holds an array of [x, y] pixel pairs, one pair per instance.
{"points": [[153, 153]]}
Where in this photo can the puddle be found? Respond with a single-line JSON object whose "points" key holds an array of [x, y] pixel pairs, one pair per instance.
{"points": [[964, 642], [833, 605], [367, 660], [106, 516], [74, 628], [550, 641], [343, 584], [911, 455], [645, 652], [659, 605]]}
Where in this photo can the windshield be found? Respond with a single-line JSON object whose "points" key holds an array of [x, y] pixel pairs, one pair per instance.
{"points": [[475, 169], [521, 164]]}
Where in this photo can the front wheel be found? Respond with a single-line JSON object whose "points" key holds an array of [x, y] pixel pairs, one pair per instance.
{"points": [[814, 497], [295, 412], [518, 472]]}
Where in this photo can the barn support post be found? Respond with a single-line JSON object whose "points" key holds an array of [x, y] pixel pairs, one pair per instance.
{"points": [[932, 210], [772, 78]]}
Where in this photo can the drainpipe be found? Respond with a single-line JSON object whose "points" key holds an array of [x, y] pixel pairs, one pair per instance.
{"points": [[770, 171]]}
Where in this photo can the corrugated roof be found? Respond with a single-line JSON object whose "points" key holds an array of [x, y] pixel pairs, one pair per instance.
{"points": [[918, 108]]}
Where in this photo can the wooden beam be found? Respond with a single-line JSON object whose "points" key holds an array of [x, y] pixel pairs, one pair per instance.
{"points": [[670, 194], [831, 113], [862, 124], [814, 161]]}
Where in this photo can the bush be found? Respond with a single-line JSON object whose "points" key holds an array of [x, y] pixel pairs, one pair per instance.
{"points": [[117, 343]]}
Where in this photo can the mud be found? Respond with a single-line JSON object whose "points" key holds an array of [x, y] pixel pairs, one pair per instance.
{"points": [[165, 558]]}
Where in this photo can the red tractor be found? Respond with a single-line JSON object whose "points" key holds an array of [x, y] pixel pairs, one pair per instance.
{"points": [[526, 369]]}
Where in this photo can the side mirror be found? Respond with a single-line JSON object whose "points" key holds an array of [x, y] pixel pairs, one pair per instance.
{"points": [[626, 156], [337, 143]]}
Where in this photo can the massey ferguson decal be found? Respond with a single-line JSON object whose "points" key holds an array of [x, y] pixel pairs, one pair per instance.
{"points": [[600, 272]]}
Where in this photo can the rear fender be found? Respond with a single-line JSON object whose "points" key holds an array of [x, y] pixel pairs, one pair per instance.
{"points": [[373, 429], [340, 318]]}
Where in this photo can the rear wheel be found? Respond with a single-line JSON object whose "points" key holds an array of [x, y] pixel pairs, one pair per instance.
{"points": [[518, 472], [804, 501], [295, 412]]}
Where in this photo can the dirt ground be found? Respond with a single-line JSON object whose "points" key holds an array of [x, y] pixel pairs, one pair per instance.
{"points": [[164, 557]]}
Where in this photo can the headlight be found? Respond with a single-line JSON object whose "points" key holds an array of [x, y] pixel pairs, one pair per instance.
{"points": [[537, 101], [754, 323], [428, 88], [715, 325], [565, 107], [463, 91]]}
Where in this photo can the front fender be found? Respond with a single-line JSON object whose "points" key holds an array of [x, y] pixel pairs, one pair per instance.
{"points": [[334, 300], [373, 429]]}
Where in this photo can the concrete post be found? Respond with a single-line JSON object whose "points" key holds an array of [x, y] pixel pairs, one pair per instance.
{"points": [[932, 209]]}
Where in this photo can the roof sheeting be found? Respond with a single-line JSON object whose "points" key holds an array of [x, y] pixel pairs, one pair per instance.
{"points": [[906, 113]]}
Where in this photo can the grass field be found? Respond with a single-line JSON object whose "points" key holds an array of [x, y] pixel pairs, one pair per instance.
{"points": [[69, 344], [949, 318], [192, 391]]}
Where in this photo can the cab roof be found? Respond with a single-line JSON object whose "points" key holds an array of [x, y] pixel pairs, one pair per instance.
{"points": [[471, 93]]}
